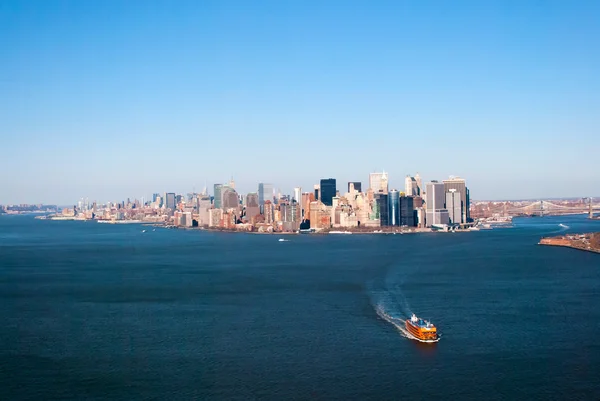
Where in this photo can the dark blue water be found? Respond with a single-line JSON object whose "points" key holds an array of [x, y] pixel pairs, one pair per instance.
{"points": [[93, 311]]}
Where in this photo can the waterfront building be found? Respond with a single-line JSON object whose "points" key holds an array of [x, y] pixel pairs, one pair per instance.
{"points": [[394, 208], [407, 211], [265, 193], [434, 203], [328, 190], [382, 202], [453, 205], [214, 217], [204, 205], [320, 215], [460, 185], [378, 182], [356, 184]]}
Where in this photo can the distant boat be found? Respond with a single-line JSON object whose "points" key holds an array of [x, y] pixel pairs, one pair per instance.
{"points": [[563, 225], [143, 231], [154, 229], [283, 240]]}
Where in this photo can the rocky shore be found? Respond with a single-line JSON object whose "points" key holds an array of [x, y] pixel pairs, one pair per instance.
{"points": [[585, 242]]}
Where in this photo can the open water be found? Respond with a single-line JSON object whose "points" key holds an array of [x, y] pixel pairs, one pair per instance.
{"points": [[96, 311]]}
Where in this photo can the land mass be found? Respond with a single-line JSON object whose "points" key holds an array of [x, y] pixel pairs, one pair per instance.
{"points": [[585, 242]]}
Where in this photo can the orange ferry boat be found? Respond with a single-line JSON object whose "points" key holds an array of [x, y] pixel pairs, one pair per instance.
{"points": [[422, 330]]}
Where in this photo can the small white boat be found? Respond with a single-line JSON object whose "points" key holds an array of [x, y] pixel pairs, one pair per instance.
{"points": [[283, 240], [563, 225], [143, 231]]}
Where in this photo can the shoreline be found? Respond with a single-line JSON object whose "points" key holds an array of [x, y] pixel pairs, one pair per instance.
{"points": [[588, 242]]}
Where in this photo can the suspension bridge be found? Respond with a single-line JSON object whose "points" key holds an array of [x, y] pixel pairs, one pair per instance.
{"points": [[544, 208]]}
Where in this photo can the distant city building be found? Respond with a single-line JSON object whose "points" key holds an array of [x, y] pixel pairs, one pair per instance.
{"points": [[317, 191], [407, 211], [155, 197], [453, 205], [298, 194], [170, 200], [460, 185], [252, 206], [328, 190], [394, 207], [217, 199], [382, 202], [357, 186], [230, 199], [265, 193], [434, 203], [378, 182], [269, 212]]}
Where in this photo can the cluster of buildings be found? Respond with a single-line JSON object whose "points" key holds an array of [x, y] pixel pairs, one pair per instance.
{"points": [[435, 205]]}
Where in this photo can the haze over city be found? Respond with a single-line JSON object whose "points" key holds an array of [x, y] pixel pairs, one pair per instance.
{"points": [[108, 100]]}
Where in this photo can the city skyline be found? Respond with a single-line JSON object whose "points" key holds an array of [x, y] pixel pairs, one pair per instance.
{"points": [[116, 99]]}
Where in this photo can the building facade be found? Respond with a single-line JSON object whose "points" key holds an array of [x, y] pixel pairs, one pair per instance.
{"points": [[328, 191], [265, 193], [394, 207]]}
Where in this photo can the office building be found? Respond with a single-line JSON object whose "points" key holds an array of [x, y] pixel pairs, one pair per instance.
{"points": [[453, 205], [394, 208], [297, 194], [230, 199], [460, 185], [382, 203], [378, 182], [252, 206], [317, 191], [435, 204], [407, 211], [265, 193], [170, 200], [328, 190], [357, 186], [217, 195]]}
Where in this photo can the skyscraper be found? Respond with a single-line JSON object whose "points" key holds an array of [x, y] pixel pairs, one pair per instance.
{"points": [[394, 207], [357, 186], [170, 200], [378, 182], [297, 194], [383, 205], [453, 206], [460, 185], [407, 211], [230, 199], [328, 189], [434, 202], [265, 193], [412, 185], [217, 191]]}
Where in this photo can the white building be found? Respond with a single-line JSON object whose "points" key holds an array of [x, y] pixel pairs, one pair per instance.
{"points": [[378, 182]]}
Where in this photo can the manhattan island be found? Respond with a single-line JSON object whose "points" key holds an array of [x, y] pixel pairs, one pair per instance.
{"points": [[435, 206]]}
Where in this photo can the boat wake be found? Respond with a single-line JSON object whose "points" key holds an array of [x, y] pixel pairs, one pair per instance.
{"points": [[391, 305], [564, 226]]}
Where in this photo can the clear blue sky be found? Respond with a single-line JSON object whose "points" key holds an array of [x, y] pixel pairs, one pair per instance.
{"points": [[116, 99]]}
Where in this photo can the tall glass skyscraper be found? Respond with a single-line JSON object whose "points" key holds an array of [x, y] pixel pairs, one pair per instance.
{"points": [[394, 207], [265, 193], [407, 211], [217, 201], [383, 205], [328, 190]]}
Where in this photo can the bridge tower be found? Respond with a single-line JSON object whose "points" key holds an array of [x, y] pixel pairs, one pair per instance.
{"points": [[541, 208], [591, 211]]}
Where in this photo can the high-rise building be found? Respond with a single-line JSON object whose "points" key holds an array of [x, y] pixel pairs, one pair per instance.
{"points": [[154, 197], [252, 206], [230, 199], [269, 215], [434, 203], [378, 182], [461, 186], [170, 200], [412, 185], [317, 192], [407, 211], [265, 193], [328, 190], [381, 199], [357, 186], [217, 191], [394, 208], [297, 194], [453, 205]]}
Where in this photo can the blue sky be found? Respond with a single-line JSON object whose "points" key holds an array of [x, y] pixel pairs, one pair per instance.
{"points": [[116, 99]]}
